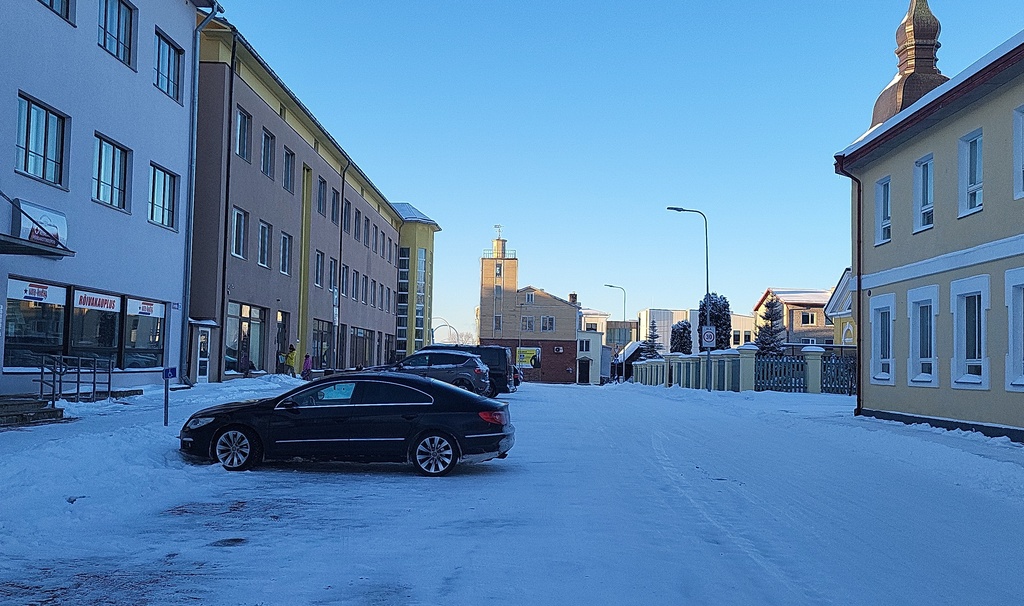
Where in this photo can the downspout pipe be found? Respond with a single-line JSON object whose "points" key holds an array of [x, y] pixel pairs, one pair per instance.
{"points": [[841, 170], [185, 347], [341, 247]]}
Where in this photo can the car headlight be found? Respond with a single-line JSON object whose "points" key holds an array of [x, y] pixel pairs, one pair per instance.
{"points": [[198, 422]]}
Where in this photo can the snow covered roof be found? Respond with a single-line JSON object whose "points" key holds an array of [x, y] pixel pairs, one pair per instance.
{"points": [[594, 312], [410, 213], [541, 290], [798, 296], [992, 70], [841, 302], [630, 349]]}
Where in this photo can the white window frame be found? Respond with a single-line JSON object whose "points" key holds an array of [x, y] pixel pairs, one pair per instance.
{"points": [[239, 232], [243, 134], [966, 188], [263, 255], [959, 290], [883, 211], [1018, 153], [527, 324], [924, 193], [344, 280], [529, 298], [332, 268], [318, 270], [584, 345], [882, 370], [497, 323], [1014, 284], [268, 151], [286, 254], [548, 322], [917, 298], [812, 316]]}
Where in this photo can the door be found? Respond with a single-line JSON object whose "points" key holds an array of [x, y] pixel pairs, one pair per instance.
{"points": [[583, 371], [313, 422], [203, 357]]}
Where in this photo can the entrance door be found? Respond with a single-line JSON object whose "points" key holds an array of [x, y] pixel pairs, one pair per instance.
{"points": [[203, 364], [583, 371]]}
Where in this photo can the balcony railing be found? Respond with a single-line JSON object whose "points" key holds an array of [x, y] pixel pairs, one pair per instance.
{"points": [[492, 254]]}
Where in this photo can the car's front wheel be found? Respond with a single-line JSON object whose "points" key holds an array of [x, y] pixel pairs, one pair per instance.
{"points": [[238, 449], [434, 454]]}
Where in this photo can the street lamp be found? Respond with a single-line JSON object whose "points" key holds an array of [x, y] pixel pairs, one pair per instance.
{"points": [[707, 279], [450, 328], [622, 353]]}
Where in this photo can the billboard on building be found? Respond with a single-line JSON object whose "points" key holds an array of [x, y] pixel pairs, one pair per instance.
{"points": [[528, 356]]}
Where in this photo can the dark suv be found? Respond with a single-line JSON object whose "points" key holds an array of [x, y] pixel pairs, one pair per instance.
{"points": [[497, 358], [461, 369]]}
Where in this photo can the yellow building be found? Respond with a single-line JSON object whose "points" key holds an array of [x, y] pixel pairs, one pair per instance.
{"points": [[415, 279], [839, 311], [938, 258]]}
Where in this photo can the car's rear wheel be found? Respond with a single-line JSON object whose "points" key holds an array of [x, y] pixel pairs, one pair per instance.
{"points": [[435, 454], [463, 384], [238, 448], [492, 390]]}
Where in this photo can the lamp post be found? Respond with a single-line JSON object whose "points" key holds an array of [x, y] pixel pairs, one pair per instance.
{"points": [[450, 328], [707, 279], [622, 352]]}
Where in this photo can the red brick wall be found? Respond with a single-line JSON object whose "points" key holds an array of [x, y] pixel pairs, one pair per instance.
{"points": [[555, 367]]}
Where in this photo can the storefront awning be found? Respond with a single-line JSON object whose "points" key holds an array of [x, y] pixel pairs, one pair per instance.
{"points": [[10, 245]]}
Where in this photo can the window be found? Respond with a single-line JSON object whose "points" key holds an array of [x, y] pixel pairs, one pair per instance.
{"points": [[808, 318], [366, 232], [366, 287], [335, 206], [1018, 153], [61, 7], [332, 268], [239, 230], [497, 294], [924, 193], [286, 254], [95, 325], [323, 333], [162, 192], [591, 326], [380, 293], [40, 141], [110, 173], [143, 334], [497, 269], [735, 337], [376, 235], [116, 29], [243, 134], [971, 173], [808, 341], [244, 338], [391, 255], [35, 323], [969, 300], [289, 170], [387, 301], [358, 234], [881, 339], [922, 308], [547, 323], [168, 67], [321, 197], [1015, 309], [747, 337], [268, 153], [318, 270], [355, 285], [527, 324], [497, 323], [344, 280], [883, 212], [346, 217], [264, 245], [529, 298], [584, 345]]}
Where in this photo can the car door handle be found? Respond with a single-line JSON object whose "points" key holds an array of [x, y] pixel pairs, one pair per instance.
{"points": [[410, 417]]}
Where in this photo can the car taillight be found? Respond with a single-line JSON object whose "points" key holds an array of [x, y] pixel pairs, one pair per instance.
{"points": [[478, 370], [498, 417]]}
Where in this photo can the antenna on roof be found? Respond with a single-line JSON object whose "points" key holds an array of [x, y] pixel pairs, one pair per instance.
{"points": [[498, 227]]}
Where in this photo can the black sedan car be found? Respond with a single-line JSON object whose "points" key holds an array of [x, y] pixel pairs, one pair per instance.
{"points": [[359, 416]]}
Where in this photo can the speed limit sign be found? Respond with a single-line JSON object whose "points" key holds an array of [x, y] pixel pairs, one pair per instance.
{"points": [[707, 336]]}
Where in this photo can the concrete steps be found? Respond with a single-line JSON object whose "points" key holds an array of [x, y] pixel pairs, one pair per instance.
{"points": [[27, 411]]}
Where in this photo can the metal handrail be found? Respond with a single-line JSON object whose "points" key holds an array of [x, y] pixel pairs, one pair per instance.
{"points": [[53, 368]]}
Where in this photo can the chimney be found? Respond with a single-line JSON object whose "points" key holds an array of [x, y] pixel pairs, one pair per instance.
{"points": [[574, 299], [917, 42]]}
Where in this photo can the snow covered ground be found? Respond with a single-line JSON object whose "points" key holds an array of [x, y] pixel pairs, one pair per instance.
{"points": [[621, 494]]}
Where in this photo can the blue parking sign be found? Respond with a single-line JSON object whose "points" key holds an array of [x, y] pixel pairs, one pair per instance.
{"points": [[170, 373]]}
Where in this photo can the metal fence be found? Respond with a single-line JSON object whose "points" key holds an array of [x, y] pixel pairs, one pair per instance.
{"points": [[780, 373], [839, 375], [74, 377]]}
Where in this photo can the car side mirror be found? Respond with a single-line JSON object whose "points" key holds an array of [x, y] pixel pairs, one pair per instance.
{"points": [[290, 405]]}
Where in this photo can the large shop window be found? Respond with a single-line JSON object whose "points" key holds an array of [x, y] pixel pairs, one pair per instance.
{"points": [[95, 325], [34, 323], [323, 333], [144, 334], [244, 338]]}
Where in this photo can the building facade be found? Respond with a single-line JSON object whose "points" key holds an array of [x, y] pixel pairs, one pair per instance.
{"points": [[938, 257], [95, 104], [415, 279], [293, 245], [803, 314]]}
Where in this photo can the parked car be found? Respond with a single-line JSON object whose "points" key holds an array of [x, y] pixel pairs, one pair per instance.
{"points": [[461, 369], [497, 358], [517, 375], [387, 417]]}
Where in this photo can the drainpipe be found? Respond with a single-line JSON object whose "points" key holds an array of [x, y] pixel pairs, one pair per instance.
{"points": [[841, 169], [185, 347], [341, 240]]}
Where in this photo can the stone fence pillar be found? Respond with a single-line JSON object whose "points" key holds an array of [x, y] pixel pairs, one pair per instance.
{"points": [[748, 355], [812, 357]]}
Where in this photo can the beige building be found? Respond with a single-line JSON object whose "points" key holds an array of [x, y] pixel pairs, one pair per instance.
{"points": [[803, 314], [938, 184], [839, 310]]}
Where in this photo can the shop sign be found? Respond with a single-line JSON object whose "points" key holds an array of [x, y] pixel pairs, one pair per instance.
{"points": [[53, 223], [91, 300], [145, 308], [20, 290]]}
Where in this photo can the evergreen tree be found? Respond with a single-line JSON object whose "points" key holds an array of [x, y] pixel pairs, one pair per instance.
{"points": [[650, 348], [769, 333], [721, 318], [682, 338]]}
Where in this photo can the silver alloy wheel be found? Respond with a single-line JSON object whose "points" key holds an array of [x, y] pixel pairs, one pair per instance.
{"points": [[233, 449], [434, 454]]}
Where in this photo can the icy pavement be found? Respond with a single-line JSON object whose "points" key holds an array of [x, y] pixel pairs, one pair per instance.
{"points": [[614, 495]]}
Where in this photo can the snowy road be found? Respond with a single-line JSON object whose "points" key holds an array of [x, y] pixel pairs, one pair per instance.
{"points": [[612, 495]]}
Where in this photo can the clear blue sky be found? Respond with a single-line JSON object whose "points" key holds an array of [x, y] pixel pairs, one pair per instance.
{"points": [[575, 123]]}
